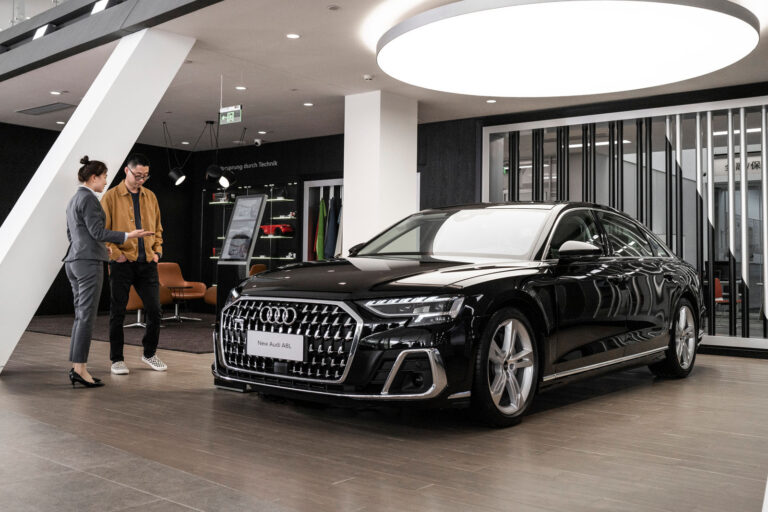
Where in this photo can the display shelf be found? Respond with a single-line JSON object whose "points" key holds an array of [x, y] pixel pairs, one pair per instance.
{"points": [[283, 207]]}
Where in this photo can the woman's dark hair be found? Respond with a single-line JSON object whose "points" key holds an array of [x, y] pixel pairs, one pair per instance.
{"points": [[90, 168]]}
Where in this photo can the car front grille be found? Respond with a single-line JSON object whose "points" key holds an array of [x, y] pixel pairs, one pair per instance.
{"points": [[329, 332]]}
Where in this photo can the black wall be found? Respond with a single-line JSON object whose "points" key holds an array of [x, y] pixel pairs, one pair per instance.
{"points": [[449, 160]]}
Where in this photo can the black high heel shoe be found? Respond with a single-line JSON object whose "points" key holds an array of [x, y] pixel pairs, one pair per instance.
{"points": [[75, 377]]}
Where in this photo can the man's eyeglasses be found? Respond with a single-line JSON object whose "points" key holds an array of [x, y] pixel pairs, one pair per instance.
{"points": [[140, 177]]}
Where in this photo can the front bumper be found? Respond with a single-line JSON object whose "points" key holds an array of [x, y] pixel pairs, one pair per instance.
{"points": [[436, 368]]}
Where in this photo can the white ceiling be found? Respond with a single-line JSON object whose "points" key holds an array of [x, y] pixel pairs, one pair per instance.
{"points": [[244, 40]]}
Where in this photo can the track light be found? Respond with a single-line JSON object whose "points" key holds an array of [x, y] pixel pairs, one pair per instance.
{"points": [[177, 176], [227, 179], [213, 173]]}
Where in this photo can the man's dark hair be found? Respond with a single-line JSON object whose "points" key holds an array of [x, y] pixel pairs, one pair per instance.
{"points": [[137, 159]]}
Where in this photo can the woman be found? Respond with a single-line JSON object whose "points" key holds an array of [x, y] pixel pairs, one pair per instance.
{"points": [[84, 262]]}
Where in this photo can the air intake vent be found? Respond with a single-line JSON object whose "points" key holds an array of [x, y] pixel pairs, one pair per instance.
{"points": [[45, 109]]}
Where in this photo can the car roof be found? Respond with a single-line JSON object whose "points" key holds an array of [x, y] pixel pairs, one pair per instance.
{"points": [[543, 205]]}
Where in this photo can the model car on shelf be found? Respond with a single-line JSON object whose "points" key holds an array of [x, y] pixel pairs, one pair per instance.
{"points": [[481, 305], [275, 229]]}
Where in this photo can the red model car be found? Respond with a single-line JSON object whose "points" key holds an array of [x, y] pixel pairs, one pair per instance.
{"points": [[276, 229]]}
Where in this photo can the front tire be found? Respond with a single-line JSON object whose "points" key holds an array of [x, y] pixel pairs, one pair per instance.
{"points": [[681, 353], [506, 369]]}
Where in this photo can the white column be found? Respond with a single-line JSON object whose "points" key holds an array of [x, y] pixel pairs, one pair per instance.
{"points": [[380, 178], [104, 126]]}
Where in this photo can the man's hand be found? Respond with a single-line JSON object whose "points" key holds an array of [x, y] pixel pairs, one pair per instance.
{"points": [[110, 251], [121, 259], [155, 258]]}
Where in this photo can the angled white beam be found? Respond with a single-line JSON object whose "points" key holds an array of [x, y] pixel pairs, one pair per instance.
{"points": [[104, 126]]}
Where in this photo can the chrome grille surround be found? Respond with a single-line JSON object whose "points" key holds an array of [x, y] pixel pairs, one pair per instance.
{"points": [[331, 330]]}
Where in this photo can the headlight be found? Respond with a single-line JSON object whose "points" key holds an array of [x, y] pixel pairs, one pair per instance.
{"points": [[232, 297], [424, 310]]}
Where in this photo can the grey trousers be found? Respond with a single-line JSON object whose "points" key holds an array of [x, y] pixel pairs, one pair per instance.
{"points": [[86, 278]]}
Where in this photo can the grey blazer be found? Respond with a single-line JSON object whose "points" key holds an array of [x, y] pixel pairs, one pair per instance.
{"points": [[85, 228]]}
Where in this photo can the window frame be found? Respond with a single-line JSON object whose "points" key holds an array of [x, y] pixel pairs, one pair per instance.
{"points": [[604, 246]]}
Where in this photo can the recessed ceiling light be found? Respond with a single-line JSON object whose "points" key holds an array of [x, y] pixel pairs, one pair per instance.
{"points": [[56, 93], [262, 132], [40, 32], [490, 101], [61, 122], [308, 104], [240, 87], [184, 142], [292, 36], [737, 132], [424, 50], [99, 6]]}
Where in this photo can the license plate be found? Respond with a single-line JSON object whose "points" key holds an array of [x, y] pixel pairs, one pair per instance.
{"points": [[275, 345]]}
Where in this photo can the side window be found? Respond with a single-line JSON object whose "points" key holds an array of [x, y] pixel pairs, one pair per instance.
{"points": [[658, 249], [626, 239], [578, 225]]}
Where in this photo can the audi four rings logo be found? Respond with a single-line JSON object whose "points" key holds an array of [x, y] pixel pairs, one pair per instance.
{"points": [[277, 315]]}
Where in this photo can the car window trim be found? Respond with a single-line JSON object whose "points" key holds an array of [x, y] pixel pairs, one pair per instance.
{"points": [[560, 216]]}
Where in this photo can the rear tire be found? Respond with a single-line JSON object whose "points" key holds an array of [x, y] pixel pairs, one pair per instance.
{"points": [[506, 369], [683, 338], [278, 232]]}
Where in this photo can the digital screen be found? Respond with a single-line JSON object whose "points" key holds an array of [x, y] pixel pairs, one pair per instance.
{"points": [[243, 227]]}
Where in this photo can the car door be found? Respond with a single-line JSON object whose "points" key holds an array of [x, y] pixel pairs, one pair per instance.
{"points": [[646, 282], [590, 295]]}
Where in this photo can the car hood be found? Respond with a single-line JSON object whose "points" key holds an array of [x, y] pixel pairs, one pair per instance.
{"points": [[365, 276]]}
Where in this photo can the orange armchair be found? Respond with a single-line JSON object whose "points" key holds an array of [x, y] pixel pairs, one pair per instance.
{"points": [[135, 304], [170, 276]]}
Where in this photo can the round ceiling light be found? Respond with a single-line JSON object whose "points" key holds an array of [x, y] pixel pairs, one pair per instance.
{"points": [[545, 48]]}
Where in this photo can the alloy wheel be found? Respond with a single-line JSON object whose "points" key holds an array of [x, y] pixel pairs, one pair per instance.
{"points": [[510, 366], [685, 337]]}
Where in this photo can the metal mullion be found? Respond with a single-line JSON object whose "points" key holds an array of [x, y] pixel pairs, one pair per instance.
{"points": [[584, 162], [764, 220], [559, 152], [592, 163], [711, 221], [567, 161], [699, 201], [669, 219], [733, 289], [514, 167], [639, 168], [649, 173], [744, 227], [679, 186], [611, 164], [620, 166]]}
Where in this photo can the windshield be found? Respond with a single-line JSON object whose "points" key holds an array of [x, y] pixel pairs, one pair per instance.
{"points": [[465, 235]]}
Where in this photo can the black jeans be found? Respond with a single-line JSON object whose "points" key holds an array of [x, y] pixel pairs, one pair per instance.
{"points": [[143, 277]]}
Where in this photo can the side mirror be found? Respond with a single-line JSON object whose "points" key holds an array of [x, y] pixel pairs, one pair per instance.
{"points": [[573, 249], [355, 248]]}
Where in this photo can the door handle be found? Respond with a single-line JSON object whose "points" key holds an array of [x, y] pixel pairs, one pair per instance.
{"points": [[620, 279], [669, 276]]}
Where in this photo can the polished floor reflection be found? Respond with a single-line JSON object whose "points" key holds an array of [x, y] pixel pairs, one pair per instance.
{"points": [[170, 441]]}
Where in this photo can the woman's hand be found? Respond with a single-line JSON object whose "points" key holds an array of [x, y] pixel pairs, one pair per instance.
{"points": [[138, 233]]}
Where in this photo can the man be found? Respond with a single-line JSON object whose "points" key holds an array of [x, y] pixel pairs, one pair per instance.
{"points": [[130, 206]]}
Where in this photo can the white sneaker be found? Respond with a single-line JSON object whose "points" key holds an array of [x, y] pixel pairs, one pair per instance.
{"points": [[120, 368], [155, 363]]}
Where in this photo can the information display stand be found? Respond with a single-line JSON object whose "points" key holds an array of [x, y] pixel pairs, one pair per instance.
{"points": [[240, 239]]}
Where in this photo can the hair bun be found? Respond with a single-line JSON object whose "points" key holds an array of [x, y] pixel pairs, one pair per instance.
{"points": [[85, 160]]}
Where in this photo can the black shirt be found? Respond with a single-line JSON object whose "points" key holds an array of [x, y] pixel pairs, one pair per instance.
{"points": [[142, 256]]}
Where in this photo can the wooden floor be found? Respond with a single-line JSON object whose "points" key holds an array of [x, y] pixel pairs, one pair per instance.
{"points": [[171, 441]]}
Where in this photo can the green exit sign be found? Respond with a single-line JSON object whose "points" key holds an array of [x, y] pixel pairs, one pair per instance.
{"points": [[230, 115]]}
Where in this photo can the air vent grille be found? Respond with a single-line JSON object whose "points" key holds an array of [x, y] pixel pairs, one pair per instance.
{"points": [[46, 109]]}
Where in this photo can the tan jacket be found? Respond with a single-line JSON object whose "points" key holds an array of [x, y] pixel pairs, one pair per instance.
{"points": [[118, 205]]}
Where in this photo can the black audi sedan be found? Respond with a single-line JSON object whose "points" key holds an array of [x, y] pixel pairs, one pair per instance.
{"points": [[481, 305]]}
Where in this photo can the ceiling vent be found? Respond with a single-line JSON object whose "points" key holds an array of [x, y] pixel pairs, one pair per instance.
{"points": [[45, 109]]}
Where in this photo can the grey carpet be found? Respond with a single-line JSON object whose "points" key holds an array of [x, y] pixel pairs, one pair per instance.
{"points": [[194, 337]]}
